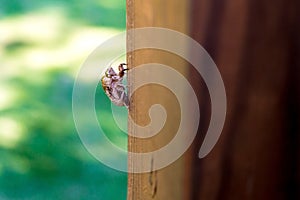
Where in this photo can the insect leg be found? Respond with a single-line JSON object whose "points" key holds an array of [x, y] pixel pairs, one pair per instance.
{"points": [[122, 69]]}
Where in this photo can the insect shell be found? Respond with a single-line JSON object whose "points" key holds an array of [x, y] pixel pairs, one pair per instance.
{"points": [[113, 86]]}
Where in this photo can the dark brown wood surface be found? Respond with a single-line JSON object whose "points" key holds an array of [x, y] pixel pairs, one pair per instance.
{"points": [[255, 44]]}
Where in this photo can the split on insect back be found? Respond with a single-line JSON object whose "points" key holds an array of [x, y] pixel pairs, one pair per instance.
{"points": [[112, 84]]}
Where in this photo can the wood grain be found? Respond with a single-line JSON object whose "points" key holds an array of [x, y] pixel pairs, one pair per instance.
{"points": [[169, 182], [256, 46]]}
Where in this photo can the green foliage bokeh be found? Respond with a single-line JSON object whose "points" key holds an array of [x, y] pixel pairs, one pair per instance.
{"points": [[41, 155]]}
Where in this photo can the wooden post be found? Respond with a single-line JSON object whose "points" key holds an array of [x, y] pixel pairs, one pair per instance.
{"points": [[256, 46], [170, 182]]}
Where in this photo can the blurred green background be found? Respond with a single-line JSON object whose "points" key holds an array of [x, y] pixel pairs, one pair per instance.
{"points": [[42, 45]]}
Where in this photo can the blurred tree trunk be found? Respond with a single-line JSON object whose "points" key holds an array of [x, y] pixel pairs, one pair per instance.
{"points": [[255, 44]]}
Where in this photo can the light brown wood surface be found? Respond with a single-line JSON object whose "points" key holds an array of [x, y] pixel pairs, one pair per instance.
{"points": [[169, 182]]}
